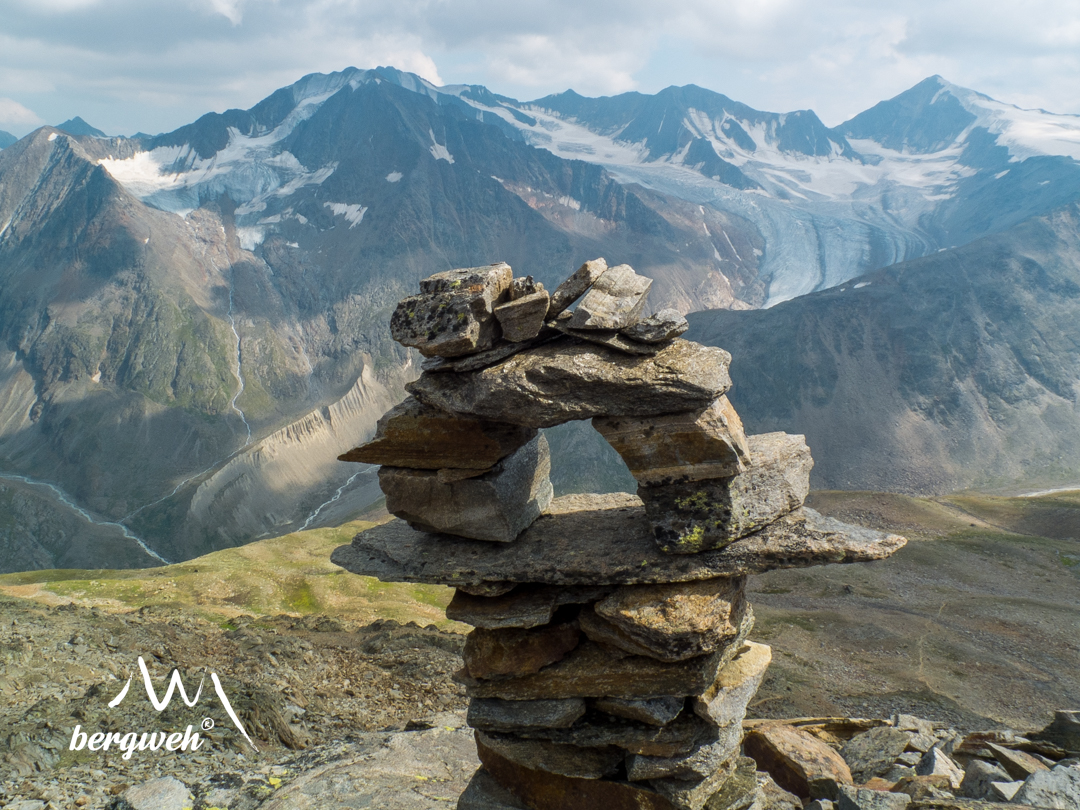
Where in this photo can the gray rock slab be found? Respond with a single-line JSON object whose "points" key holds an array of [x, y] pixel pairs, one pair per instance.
{"points": [[663, 325], [936, 763], [691, 446], [454, 313], [485, 793], [740, 789], [494, 507], [724, 702], [615, 300], [1018, 764], [492, 714], [563, 381], [418, 436], [909, 722], [418, 770], [873, 752], [700, 763], [575, 286], [1064, 730], [854, 798], [523, 318], [163, 793], [692, 794], [489, 357], [681, 737], [977, 778], [565, 760], [1058, 788], [600, 540], [1004, 791], [701, 515], [606, 337], [656, 711], [669, 621], [526, 606]]}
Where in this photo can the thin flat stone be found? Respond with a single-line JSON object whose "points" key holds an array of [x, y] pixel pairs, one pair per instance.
{"points": [[418, 436], [655, 711], [575, 286], [691, 446], [615, 301], [474, 362], [680, 737], [606, 337], [515, 652], [492, 714], [565, 381], [602, 540], [553, 758], [700, 763], [593, 670], [527, 606], [542, 790]]}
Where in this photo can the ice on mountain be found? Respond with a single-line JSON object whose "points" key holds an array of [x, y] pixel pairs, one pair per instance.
{"points": [[393, 177], [353, 213], [438, 150], [250, 238], [52, 136]]}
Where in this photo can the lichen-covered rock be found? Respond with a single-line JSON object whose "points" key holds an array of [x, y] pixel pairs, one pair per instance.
{"points": [[492, 714], [615, 300], [454, 313], [724, 702], [873, 752], [696, 516], [418, 436], [496, 506], [670, 622], [691, 446], [560, 382]]}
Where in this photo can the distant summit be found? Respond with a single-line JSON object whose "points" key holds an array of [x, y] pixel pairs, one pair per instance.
{"points": [[76, 126], [6, 139]]}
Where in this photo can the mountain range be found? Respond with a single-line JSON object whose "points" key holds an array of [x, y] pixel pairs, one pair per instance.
{"points": [[194, 323]]}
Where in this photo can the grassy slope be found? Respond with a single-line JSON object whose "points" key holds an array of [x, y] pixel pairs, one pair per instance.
{"points": [[289, 574]]}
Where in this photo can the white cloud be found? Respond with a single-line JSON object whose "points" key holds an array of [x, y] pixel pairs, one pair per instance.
{"points": [[15, 115]]}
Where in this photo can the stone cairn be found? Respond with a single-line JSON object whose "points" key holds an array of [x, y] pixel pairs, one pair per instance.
{"points": [[609, 666]]}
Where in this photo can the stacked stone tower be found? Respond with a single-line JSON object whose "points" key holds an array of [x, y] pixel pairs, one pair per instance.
{"points": [[609, 666]]}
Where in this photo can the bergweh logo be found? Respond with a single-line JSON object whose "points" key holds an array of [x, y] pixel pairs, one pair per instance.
{"points": [[176, 741]]}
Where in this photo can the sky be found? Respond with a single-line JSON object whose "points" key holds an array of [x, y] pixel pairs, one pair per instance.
{"points": [[151, 66]]}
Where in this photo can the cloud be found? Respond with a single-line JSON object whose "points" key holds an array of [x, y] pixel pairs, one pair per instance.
{"points": [[15, 115], [157, 64]]}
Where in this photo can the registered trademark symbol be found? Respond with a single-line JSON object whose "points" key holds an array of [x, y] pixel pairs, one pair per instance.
{"points": [[207, 723]]}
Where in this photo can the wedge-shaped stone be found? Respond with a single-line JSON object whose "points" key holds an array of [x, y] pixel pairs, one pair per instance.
{"points": [[724, 702], [701, 515], [523, 318], [553, 758], [664, 325], [691, 446], [495, 507], [700, 763], [669, 622], [797, 761], [562, 381], [616, 300], [543, 790], [656, 711], [574, 287], [526, 606], [454, 314], [601, 540], [593, 670], [424, 438], [515, 652], [514, 715], [1018, 764], [606, 337]]}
